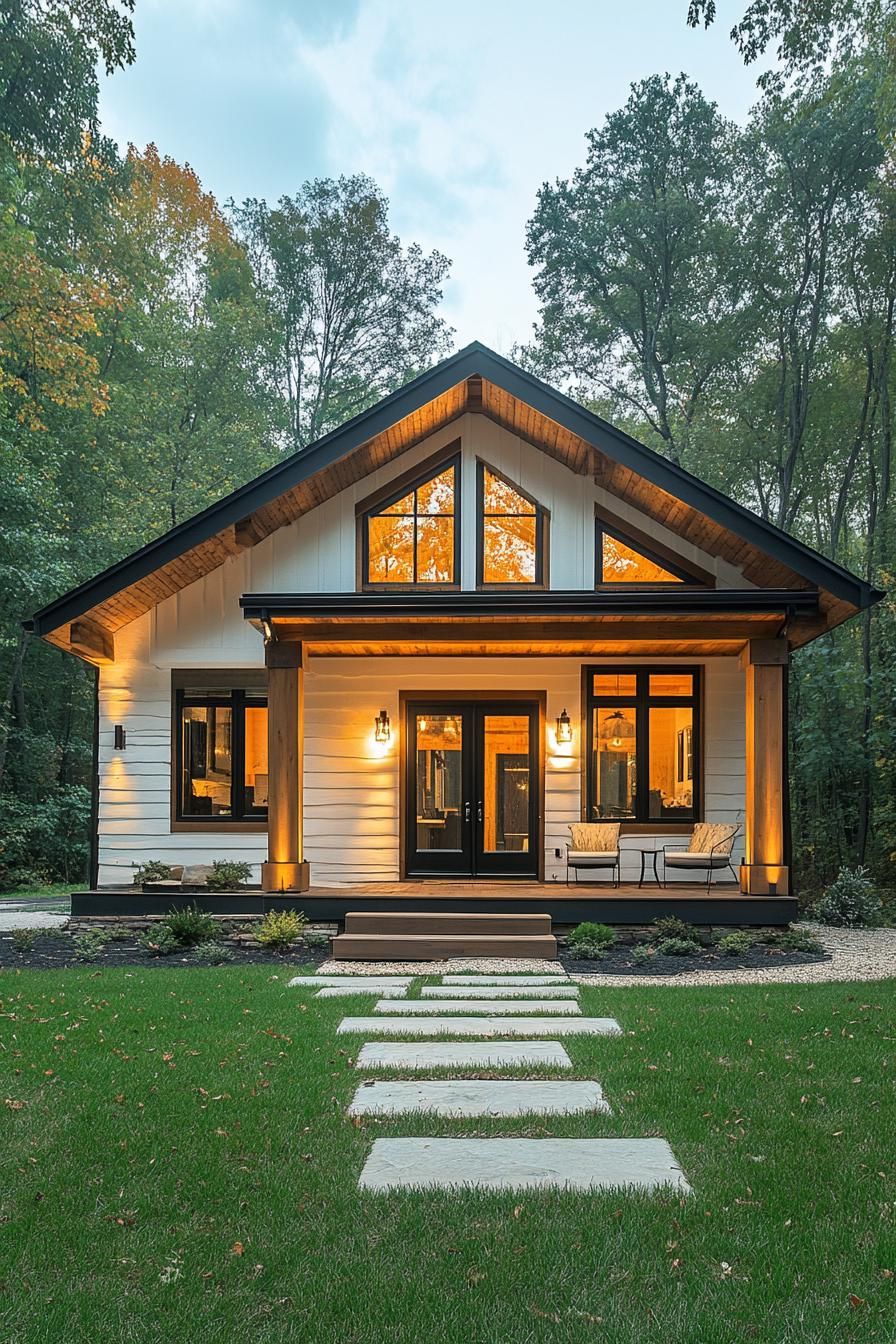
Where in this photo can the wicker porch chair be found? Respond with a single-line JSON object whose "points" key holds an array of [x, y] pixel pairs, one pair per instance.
{"points": [[594, 845]]}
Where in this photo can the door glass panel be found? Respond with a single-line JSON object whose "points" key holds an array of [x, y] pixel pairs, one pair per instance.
{"points": [[671, 787], [613, 763], [438, 781], [505, 761]]}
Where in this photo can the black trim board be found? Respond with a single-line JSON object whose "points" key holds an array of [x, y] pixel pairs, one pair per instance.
{"points": [[474, 360], [563, 905]]}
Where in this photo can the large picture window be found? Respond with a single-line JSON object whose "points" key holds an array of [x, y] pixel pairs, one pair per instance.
{"points": [[221, 754], [512, 530], [411, 537], [643, 758]]}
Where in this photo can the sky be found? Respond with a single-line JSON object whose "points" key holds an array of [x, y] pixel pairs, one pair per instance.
{"points": [[460, 112]]}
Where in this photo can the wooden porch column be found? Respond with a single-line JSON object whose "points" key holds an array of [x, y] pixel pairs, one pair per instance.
{"points": [[285, 869], [765, 871]]}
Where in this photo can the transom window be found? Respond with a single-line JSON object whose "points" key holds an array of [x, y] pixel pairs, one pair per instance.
{"points": [[221, 754], [511, 532], [619, 559], [643, 743], [412, 538]]}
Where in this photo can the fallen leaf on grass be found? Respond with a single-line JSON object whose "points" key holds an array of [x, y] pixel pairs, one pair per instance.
{"points": [[856, 1302], [15, 1105], [237, 1248]]}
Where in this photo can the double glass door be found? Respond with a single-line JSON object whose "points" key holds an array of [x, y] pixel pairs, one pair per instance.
{"points": [[472, 789]]}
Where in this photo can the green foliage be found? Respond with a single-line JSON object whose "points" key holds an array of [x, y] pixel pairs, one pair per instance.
{"points": [[850, 901], [23, 940], [736, 944], [88, 946], [190, 926], [677, 947], [45, 839], [792, 940], [160, 941], [670, 926], [316, 938], [212, 953], [280, 928], [594, 935], [641, 953], [154, 870], [227, 875]]}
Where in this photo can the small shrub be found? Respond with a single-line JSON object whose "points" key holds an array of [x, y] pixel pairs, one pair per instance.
{"points": [[88, 946], [190, 926], [736, 944], [159, 942], [641, 953], [212, 953], [677, 947], [119, 934], [280, 928], [23, 940], [850, 901], [152, 871], [594, 935], [670, 926], [226, 875], [316, 938], [793, 940]]}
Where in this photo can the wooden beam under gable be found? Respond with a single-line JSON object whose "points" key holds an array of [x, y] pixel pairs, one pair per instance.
{"points": [[91, 641]]}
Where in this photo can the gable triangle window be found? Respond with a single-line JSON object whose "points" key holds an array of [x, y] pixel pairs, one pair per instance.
{"points": [[512, 540], [621, 558], [410, 536]]}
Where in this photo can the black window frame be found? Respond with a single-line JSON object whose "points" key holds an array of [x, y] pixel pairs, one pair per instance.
{"points": [[601, 526], [236, 699], [642, 702], [542, 518], [377, 504]]}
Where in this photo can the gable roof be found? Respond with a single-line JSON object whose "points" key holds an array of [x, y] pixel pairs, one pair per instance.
{"points": [[475, 379]]}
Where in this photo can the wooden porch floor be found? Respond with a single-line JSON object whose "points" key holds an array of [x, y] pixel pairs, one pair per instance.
{"points": [[526, 891]]}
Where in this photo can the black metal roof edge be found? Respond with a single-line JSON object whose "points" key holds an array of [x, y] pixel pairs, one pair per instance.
{"points": [[473, 359], [792, 601]]}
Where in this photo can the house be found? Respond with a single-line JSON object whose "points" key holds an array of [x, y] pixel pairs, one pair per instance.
{"points": [[419, 649]]}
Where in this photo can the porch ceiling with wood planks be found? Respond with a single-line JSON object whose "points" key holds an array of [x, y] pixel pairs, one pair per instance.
{"points": [[474, 381]]}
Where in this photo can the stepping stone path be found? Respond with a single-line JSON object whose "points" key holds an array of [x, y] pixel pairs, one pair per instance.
{"points": [[493, 1006]]}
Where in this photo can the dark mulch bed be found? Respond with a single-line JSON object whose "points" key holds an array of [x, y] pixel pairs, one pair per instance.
{"points": [[618, 961], [54, 951]]}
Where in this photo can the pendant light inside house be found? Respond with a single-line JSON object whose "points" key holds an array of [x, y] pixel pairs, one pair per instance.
{"points": [[617, 730]]}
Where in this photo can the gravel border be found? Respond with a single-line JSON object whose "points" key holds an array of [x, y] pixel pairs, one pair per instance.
{"points": [[856, 954]]}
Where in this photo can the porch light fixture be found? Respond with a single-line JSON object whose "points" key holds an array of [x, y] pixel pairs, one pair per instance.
{"points": [[120, 737], [383, 729], [616, 729], [564, 728]]}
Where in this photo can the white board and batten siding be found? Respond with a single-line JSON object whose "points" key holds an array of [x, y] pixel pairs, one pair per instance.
{"points": [[352, 821]]}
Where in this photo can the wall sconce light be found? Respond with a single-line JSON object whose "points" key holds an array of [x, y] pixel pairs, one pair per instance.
{"points": [[121, 737], [382, 726], [564, 728]]}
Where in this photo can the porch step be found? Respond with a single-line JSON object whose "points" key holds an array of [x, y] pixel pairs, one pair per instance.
{"points": [[430, 922], [399, 946]]}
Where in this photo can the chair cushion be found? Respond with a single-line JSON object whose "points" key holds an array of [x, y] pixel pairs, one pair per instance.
{"points": [[712, 835], [688, 858], [606, 857], [594, 837]]}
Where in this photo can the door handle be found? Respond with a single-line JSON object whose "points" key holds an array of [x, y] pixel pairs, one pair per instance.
{"points": [[466, 811], [479, 811]]}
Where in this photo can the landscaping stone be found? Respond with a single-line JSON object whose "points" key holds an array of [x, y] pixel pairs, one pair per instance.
{"points": [[490, 1007], [478, 1096], [463, 1055], [522, 1164], [30, 919], [499, 992], [362, 982], [389, 992], [479, 1026], [560, 977]]}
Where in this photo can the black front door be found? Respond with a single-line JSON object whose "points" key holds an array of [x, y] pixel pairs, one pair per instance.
{"points": [[472, 789]]}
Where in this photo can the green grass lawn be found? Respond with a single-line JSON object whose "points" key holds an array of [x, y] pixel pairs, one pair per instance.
{"points": [[175, 1165], [59, 893]]}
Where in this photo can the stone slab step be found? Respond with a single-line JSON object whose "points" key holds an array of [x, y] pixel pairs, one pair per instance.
{"points": [[439, 946], [414, 1055], [478, 1096], [518, 992], [388, 992], [432, 921], [522, 1164], [372, 982], [488, 1007], [479, 1026], [531, 980]]}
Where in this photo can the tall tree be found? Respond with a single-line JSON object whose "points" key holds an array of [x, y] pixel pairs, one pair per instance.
{"points": [[354, 309], [637, 265]]}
